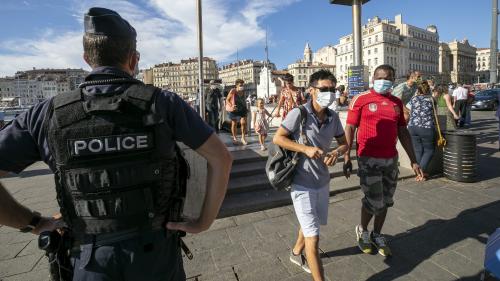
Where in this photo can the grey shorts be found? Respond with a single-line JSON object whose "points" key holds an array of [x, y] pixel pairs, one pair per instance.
{"points": [[311, 207], [378, 180]]}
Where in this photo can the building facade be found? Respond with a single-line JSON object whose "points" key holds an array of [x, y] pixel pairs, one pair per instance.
{"points": [[269, 77], [7, 87], [403, 46], [422, 45], [457, 62], [247, 70], [32, 86], [302, 69], [182, 78], [483, 65], [325, 55], [146, 76]]}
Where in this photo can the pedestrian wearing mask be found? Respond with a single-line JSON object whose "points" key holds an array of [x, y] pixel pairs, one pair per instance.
{"points": [[290, 96], [237, 110], [310, 186], [379, 120], [213, 104], [421, 126], [406, 90]]}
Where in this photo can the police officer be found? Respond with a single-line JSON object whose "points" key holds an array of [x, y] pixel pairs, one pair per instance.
{"points": [[119, 174]]}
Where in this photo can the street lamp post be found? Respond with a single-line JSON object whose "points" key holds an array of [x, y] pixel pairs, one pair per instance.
{"points": [[356, 75], [494, 42], [356, 26], [201, 96]]}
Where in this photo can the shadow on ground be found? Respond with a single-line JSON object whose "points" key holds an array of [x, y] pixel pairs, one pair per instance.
{"points": [[421, 243]]}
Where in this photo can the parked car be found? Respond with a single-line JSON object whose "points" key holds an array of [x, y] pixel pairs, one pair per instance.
{"points": [[487, 99]]}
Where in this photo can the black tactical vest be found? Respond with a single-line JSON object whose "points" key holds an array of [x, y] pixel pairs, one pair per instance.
{"points": [[114, 171]]}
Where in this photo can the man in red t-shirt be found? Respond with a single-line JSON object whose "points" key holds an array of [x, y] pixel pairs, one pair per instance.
{"points": [[378, 116]]}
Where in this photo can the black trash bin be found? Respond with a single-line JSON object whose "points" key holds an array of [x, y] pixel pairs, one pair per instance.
{"points": [[459, 159]]}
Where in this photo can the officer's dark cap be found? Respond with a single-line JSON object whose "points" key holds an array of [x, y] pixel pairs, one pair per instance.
{"points": [[102, 21]]}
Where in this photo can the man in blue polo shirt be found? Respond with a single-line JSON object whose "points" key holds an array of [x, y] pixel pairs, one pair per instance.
{"points": [[310, 186], [112, 148]]}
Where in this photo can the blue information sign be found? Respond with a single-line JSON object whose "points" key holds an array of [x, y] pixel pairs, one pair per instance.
{"points": [[357, 79]]}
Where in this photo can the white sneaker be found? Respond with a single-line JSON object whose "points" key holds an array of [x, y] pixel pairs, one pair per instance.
{"points": [[300, 260]]}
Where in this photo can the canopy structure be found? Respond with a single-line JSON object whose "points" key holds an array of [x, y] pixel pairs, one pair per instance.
{"points": [[346, 2]]}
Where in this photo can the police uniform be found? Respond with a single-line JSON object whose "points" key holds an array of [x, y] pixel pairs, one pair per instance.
{"points": [[112, 147]]}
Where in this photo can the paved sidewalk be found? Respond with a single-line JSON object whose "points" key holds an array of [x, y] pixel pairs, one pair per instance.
{"points": [[438, 230]]}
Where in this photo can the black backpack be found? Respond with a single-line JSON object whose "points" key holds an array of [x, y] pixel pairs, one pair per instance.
{"points": [[281, 162]]}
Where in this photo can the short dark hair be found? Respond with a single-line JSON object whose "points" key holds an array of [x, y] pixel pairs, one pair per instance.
{"points": [[102, 50], [288, 77], [386, 67], [322, 74], [239, 82], [341, 88], [408, 75]]}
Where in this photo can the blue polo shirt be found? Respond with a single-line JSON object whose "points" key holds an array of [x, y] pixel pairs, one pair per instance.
{"points": [[24, 140], [313, 173]]}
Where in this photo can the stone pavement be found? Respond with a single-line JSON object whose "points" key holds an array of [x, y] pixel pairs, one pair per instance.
{"points": [[437, 229]]}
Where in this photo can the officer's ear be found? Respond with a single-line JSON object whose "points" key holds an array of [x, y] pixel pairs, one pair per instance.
{"points": [[86, 59], [133, 63]]}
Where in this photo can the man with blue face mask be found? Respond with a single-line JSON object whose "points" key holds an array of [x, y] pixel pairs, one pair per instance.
{"points": [[378, 117], [310, 186]]}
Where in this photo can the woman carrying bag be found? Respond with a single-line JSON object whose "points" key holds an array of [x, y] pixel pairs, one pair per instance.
{"points": [[237, 110], [422, 126]]}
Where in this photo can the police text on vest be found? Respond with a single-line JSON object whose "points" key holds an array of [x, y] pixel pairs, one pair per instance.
{"points": [[110, 144]]}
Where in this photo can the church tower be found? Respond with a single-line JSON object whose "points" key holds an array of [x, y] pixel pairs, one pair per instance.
{"points": [[308, 55]]}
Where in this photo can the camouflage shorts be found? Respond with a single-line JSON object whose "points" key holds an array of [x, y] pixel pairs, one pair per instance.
{"points": [[378, 180]]}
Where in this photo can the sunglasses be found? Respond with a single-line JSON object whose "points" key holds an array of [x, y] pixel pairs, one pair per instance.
{"points": [[326, 89]]}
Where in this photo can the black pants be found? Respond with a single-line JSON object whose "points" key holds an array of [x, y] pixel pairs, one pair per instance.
{"points": [[461, 109], [213, 119], [423, 144], [151, 257]]}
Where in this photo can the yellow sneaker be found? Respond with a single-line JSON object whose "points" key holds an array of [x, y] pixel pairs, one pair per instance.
{"points": [[364, 241], [379, 242]]}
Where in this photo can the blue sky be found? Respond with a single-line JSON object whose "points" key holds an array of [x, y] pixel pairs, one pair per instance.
{"points": [[36, 33]]}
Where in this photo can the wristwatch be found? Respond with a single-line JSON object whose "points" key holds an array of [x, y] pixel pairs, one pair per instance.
{"points": [[33, 223]]}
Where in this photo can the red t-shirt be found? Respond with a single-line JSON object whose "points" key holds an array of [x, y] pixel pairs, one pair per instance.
{"points": [[378, 118]]}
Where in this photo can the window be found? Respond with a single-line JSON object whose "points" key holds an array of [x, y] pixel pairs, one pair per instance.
{"points": [[375, 50], [376, 38], [369, 52]]}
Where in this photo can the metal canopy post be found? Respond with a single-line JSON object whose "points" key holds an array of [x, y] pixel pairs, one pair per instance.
{"points": [[356, 27], [494, 42], [201, 95]]}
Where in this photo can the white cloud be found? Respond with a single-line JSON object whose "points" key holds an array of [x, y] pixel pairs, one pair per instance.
{"points": [[59, 51], [167, 31]]}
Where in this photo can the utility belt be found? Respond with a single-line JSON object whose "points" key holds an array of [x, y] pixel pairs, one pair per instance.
{"points": [[61, 245]]}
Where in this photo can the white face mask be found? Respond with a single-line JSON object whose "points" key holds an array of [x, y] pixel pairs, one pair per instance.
{"points": [[325, 99]]}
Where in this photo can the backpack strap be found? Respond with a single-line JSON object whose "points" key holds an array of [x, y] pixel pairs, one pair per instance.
{"points": [[303, 120]]}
